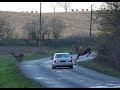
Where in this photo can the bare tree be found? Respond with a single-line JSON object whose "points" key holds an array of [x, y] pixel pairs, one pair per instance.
{"points": [[65, 5], [109, 35], [6, 31], [54, 5], [33, 29], [57, 26], [2, 27], [44, 28]]}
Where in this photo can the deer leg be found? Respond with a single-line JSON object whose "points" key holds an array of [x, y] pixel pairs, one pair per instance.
{"points": [[89, 54], [21, 60], [77, 57], [17, 60]]}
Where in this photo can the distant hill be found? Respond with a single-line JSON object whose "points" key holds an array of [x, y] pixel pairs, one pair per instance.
{"points": [[77, 23]]}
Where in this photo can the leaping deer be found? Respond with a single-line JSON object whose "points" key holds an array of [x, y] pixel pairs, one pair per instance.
{"points": [[80, 51], [19, 56]]}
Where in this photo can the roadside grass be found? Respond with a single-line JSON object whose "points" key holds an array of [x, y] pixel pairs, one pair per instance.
{"points": [[10, 77], [31, 56], [100, 68]]}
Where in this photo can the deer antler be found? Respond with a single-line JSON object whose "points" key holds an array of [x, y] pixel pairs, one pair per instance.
{"points": [[13, 52]]}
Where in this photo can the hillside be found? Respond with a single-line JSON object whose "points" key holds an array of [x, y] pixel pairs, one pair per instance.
{"points": [[77, 23]]}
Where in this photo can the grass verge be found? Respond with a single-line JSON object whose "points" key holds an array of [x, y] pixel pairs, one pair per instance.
{"points": [[10, 77], [101, 68]]}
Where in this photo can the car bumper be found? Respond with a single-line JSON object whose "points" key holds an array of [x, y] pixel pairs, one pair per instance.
{"points": [[62, 65]]}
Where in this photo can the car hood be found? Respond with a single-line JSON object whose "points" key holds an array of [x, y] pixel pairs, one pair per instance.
{"points": [[62, 59]]}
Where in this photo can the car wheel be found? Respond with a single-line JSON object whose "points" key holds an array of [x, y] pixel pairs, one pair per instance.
{"points": [[71, 67], [53, 67]]}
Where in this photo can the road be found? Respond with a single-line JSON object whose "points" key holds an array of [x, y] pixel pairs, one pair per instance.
{"points": [[40, 71]]}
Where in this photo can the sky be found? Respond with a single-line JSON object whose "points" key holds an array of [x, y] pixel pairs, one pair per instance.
{"points": [[45, 6]]}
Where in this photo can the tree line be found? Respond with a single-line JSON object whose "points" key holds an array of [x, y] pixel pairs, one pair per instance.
{"points": [[108, 50], [51, 29]]}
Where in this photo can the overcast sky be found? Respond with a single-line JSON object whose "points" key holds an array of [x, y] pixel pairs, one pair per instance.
{"points": [[46, 6]]}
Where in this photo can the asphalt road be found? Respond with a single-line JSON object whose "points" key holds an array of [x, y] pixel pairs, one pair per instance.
{"points": [[40, 71]]}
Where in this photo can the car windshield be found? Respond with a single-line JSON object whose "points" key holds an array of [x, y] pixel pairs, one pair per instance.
{"points": [[61, 55]]}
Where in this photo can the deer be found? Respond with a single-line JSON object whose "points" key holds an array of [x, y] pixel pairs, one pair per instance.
{"points": [[80, 51], [19, 56]]}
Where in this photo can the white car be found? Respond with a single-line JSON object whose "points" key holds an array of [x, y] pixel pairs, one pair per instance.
{"points": [[62, 60]]}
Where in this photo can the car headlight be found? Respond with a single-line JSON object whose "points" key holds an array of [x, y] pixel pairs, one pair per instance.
{"points": [[69, 60], [55, 61]]}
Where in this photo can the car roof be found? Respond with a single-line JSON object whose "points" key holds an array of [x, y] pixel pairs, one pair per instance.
{"points": [[61, 53]]}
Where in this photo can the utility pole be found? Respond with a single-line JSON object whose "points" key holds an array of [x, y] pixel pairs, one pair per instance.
{"points": [[91, 21], [40, 26]]}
